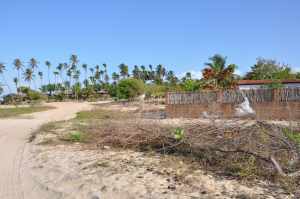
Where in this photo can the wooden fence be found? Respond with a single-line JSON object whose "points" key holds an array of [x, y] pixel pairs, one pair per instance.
{"points": [[234, 96]]}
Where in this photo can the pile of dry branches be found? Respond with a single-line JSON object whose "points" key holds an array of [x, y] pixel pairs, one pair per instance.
{"points": [[255, 150]]}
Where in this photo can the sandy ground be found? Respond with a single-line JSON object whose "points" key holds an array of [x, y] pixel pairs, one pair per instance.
{"points": [[15, 180], [34, 171]]}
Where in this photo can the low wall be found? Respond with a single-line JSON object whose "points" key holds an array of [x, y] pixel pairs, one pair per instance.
{"points": [[267, 103]]}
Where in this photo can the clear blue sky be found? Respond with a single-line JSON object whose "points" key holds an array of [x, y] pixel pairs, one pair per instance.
{"points": [[178, 34]]}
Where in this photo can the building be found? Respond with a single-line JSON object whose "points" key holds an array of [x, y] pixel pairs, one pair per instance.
{"points": [[257, 84]]}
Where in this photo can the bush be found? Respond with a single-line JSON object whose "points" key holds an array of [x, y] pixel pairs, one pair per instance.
{"points": [[129, 88], [154, 90], [191, 85]]}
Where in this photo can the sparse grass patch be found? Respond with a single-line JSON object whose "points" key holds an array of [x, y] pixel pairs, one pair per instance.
{"points": [[75, 136], [16, 111], [293, 136], [101, 114], [46, 128]]}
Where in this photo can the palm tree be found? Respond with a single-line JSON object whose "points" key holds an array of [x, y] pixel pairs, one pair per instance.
{"points": [[2, 69], [40, 73], [33, 64], [85, 67], [28, 76], [60, 68], [55, 73], [16, 81], [172, 79], [106, 76], [160, 73], [217, 74], [115, 76], [123, 70], [74, 61], [48, 64], [18, 66]]}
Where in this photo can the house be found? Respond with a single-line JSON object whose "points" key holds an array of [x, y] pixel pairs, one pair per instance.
{"points": [[257, 84]]}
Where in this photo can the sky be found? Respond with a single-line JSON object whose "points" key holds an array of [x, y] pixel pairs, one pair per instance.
{"points": [[179, 34]]}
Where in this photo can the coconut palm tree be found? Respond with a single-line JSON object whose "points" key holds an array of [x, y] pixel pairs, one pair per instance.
{"points": [[2, 69], [28, 76], [16, 81], [18, 66], [40, 74], [85, 67], [55, 73], [160, 74], [115, 76], [106, 76], [48, 64], [60, 69], [123, 70], [33, 63], [217, 74]]}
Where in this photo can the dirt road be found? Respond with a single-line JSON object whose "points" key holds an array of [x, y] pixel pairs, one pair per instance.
{"points": [[15, 180]]}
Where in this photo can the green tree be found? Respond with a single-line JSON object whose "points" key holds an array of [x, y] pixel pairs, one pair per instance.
{"points": [[28, 76], [217, 74], [269, 69], [115, 76], [40, 74], [16, 81], [130, 88], [106, 76], [123, 70], [160, 74], [48, 64], [18, 66], [171, 78]]}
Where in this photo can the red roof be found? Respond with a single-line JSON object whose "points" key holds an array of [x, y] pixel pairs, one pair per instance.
{"points": [[255, 82]]}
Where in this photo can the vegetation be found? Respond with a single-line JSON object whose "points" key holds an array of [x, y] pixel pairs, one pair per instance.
{"points": [[16, 111], [75, 80]]}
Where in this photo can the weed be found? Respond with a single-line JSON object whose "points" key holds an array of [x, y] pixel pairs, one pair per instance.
{"points": [[76, 136], [292, 135], [178, 134]]}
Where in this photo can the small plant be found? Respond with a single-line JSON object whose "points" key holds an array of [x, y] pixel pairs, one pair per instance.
{"points": [[178, 134], [292, 135], [76, 136]]}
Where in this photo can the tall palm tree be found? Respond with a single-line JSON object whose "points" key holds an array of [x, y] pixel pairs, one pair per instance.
{"points": [[16, 81], [33, 63], [2, 69], [40, 74], [123, 70], [55, 73], [160, 74], [106, 76], [48, 64], [28, 76], [18, 66], [115, 76], [217, 74], [85, 68], [60, 68]]}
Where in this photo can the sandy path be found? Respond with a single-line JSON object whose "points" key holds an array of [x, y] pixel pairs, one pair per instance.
{"points": [[15, 180]]}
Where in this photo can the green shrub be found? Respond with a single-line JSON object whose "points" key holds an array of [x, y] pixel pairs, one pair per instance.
{"points": [[129, 88], [178, 134], [190, 85], [76, 136]]}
